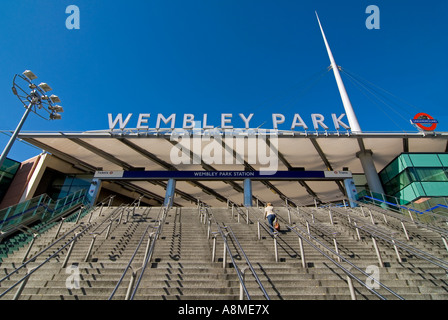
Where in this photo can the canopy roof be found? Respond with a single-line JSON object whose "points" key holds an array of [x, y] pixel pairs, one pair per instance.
{"points": [[132, 149]]}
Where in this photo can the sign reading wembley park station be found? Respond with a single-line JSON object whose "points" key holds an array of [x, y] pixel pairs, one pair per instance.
{"points": [[188, 121]]}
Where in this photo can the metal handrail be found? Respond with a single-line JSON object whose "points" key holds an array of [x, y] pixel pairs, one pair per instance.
{"points": [[28, 275], [347, 272], [402, 217], [42, 251], [148, 255], [373, 231], [340, 257], [257, 279], [161, 216], [211, 217], [71, 242], [433, 225]]}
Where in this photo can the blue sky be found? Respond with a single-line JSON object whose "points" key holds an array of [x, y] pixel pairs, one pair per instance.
{"points": [[216, 56]]}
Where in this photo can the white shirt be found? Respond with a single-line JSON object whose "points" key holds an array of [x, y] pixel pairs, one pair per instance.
{"points": [[269, 210]]}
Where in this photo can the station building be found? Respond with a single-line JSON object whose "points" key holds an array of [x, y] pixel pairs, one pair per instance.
{"points": [[313, 168], [215, 166]]}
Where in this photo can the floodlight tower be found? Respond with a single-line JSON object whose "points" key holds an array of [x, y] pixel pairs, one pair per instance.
{"points": [[35, 99]]}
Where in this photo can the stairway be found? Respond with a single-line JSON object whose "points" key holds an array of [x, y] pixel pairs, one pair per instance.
{"points": [[181, 266]]}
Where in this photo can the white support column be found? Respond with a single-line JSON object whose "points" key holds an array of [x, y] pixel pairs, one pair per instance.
{"points": [[351, 116], [373, 179]]}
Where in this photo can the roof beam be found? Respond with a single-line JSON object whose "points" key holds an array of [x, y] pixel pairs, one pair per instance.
{"points": [[62, 155], [102, 154], [326, 162], [170, 167]]}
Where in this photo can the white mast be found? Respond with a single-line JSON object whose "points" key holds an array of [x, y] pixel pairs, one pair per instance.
{"points": [[351, 116]]}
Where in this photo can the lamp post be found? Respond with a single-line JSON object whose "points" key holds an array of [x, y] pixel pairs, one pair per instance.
{"points": [[35, 99]]}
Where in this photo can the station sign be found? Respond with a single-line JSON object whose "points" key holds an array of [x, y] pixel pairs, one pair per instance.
{"points": [[222, 175], [425, 122]]}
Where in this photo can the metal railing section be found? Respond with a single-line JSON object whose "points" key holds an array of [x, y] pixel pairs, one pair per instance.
{"points": [[377, 233], [151, 241], [422, 209], [41, 208], [70, 244], [350, 275], [308, 237], [403, 218], [206, 216]]}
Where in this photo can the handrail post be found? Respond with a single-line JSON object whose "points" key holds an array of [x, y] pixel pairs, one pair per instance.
{"points": [[396, 251], [357, 230], [86, 259], [302, 252], [90, 217], [224, 255], [308, 229], [243, 275], [371, 217], [29, 247], [445, 243], [350, 286], [405, 231], [59, 228], [131, 285], [289, 215], [214, 248], [375, 245], [22, 286], [148, 246], [108, 229], [69, 252], [209, 227], [127, 215], [259, 231], [331, 217], [275, 247], [247, 216], [121, 217], [79, 214], [101, 209], [336, 249], [410, 215]]}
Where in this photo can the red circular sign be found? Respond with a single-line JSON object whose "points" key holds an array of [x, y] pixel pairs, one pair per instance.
{"points": [[425, 116]]}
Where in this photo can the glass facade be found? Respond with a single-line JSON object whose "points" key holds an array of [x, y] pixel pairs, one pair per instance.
{"points": [[7, 172], [416, 175], [59, 185]]}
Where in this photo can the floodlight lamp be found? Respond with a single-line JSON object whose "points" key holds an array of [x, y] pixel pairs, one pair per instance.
{"points": [[45, 87], [55, 99], [55, 116], [29, 74], [56, 108]]}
